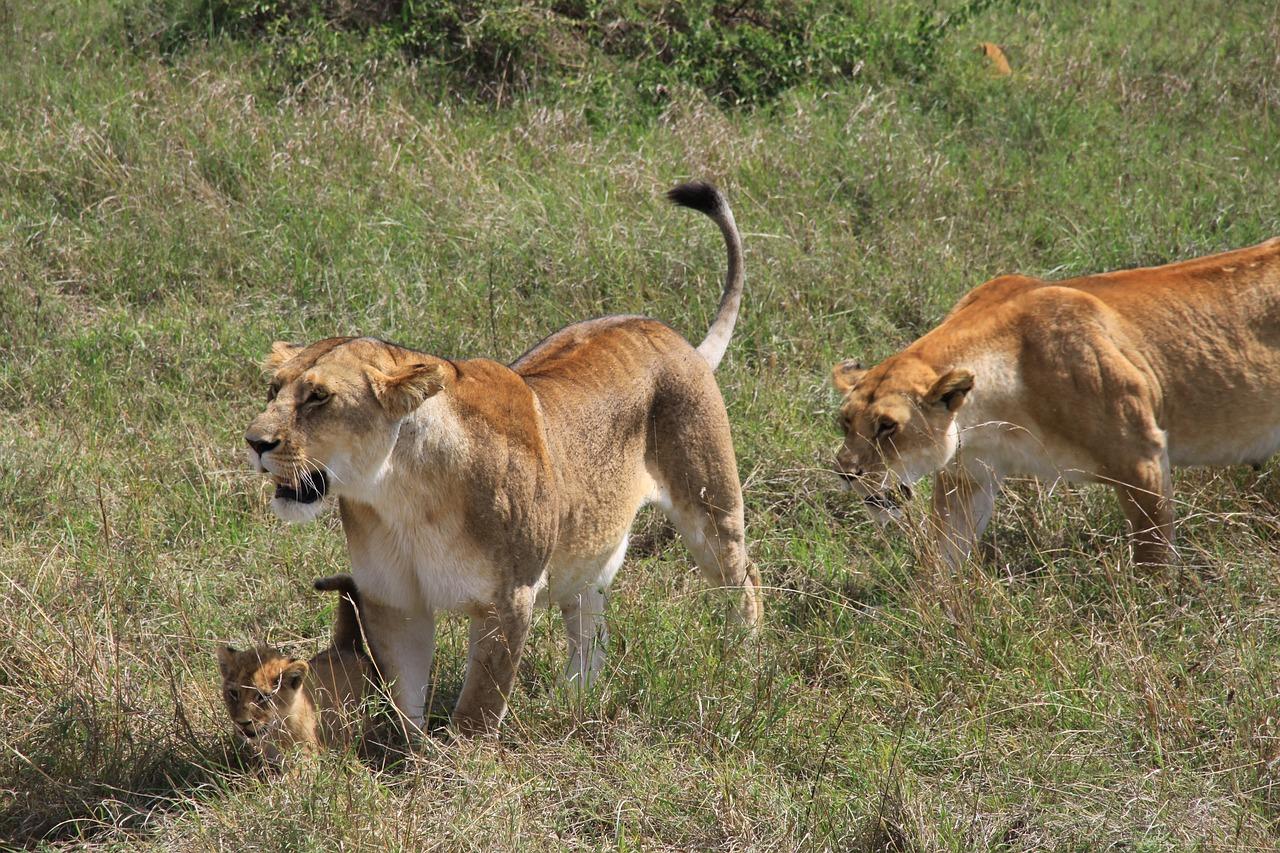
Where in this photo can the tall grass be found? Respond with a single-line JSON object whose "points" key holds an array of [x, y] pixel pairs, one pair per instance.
{"points": [[165, 215]]}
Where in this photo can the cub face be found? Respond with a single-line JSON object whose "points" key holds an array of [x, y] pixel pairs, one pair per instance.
{"points": [[260, 690], [333, 415], [899, 425]]}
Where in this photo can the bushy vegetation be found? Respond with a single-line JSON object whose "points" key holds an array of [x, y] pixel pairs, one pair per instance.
{"points": [[739, 52], [175, 194]]}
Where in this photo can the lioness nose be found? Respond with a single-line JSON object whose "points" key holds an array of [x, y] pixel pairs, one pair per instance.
{"points": [[261, 445], [846, 467]]}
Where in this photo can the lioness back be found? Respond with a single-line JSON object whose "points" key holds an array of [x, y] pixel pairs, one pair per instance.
{"points": [[613, 371]]}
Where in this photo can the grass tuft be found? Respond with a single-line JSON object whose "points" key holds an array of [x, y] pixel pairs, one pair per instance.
{"points": [[167, 212]]}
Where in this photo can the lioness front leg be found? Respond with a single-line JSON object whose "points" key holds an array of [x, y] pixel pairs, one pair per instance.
{"points": [[1146, 496], [962, 507], [497, 639], [404, 645]]}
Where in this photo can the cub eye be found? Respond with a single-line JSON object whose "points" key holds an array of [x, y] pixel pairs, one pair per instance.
{"points": [[886, 427], [261, 699], [231, 694]]}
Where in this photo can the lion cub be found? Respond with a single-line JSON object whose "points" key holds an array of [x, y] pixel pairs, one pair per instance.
{"points": [[277, 702]]}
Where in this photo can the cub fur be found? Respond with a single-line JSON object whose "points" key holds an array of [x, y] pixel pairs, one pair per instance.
{"points": [[277, 702], [480, 488], [1112, 378]]}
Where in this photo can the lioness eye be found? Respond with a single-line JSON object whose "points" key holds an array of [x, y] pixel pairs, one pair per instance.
{"points": [[318, 395], [272, 390]]}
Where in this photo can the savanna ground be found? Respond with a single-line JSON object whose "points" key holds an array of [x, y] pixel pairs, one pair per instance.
{"points": [[169, 206]]}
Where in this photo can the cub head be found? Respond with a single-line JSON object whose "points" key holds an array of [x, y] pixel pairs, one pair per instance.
{"points": [[260, 687], [899, 424], [333, 415]]}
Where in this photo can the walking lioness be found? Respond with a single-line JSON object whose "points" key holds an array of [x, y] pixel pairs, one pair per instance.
{"points": [[1109, 378], [475, 487]]}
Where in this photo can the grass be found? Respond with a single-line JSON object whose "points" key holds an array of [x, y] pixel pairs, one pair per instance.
{"points": [[163, 218]]}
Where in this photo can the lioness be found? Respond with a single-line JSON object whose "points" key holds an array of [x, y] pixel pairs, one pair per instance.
{"points": [[276, 701], [475, 487], [1109, 378]]}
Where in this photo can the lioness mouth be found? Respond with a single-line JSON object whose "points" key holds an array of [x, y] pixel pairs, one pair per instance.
{"points": [[310, 488], [889, 501]]}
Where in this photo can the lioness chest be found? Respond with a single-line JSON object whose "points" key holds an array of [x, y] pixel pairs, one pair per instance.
{"points": [[417, 564]]}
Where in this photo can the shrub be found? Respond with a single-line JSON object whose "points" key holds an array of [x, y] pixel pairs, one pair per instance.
{"points": [[740, 52]]}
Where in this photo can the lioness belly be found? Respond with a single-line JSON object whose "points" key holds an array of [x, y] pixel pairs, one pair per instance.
{"points": [[1243, 444], [593, 538], [573, 575], [1227, 416]]}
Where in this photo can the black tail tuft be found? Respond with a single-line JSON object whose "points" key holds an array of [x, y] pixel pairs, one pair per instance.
{"points": [[699, 195]]}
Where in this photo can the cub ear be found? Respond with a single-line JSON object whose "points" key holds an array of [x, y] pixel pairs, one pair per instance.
{"points": [[225, 655], [405, 389], [293, 674], [846, 374], [281, 351], [951, 388]]}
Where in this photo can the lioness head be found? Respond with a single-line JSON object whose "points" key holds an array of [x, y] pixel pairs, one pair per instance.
{"points": [[259, 687], [333, 415], [898, 421]]}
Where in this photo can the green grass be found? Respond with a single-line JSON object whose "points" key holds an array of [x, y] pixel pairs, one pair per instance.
{"points": [[163, 218]]}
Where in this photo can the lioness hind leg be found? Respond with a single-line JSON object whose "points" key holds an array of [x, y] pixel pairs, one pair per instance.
{"points": [[1146, 496], [690, 458], [711, 524], [585, 625]]}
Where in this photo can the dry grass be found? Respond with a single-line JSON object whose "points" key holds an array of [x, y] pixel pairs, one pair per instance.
{"points": [[162, 220]]}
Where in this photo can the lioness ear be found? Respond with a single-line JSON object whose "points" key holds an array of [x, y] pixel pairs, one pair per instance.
{"points": [[404, 390], [293, 674], [281, 351], [846, 374], [951, 388]]}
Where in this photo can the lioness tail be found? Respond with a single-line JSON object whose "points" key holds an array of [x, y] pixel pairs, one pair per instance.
{"points": [[705, 198], [346, 627]]}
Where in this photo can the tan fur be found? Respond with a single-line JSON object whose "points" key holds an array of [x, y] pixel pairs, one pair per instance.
{"points": [[999, 63], [1111, 378], [277, 702], [479, 488]]}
